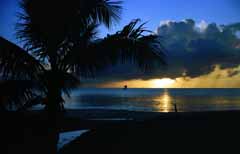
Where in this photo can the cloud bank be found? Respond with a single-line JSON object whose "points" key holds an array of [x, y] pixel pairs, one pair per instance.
{"points": [[196, 49], [195, 52]]}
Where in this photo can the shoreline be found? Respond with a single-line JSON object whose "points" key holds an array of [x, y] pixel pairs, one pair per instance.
{"points": [[97, 119], [91, 114]]}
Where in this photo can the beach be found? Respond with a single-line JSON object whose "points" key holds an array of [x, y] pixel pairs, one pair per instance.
{"points": [[190, 132], [126, 132]]}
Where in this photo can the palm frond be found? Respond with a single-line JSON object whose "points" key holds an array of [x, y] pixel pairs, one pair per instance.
{"points": [[69, 82], [126, 46], [131, 31], [131, 44], [45, 31], [65, 82], [37, 100], [105, 11], [17, 63], [15, 94]]}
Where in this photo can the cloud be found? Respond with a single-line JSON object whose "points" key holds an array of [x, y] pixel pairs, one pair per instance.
{"points": [[202, 26], [218, 78], [166, 22], [194, 51]]}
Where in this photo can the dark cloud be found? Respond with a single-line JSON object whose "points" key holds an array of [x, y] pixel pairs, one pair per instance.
{"points": [[197, 48], [192, 50]]}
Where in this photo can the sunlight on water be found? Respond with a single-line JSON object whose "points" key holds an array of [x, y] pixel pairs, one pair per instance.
{"points": [[157, 100], [164, 102]]}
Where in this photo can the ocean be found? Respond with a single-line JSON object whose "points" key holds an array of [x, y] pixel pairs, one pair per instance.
{"points": [[155, 100]]}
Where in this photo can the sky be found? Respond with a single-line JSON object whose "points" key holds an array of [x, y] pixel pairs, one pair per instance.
{"points": [[203, 35], [152, 11]]}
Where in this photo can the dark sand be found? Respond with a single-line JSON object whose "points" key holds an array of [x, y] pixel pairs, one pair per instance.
{"points": [[130, 132]]}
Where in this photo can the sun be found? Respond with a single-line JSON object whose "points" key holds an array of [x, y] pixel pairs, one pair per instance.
{"points": [[162, 83]]}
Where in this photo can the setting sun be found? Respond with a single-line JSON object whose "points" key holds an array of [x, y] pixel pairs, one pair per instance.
{"points": [[162, 83], [152, 83]]}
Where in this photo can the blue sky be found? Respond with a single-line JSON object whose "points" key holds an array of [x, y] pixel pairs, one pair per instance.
{"points": [[153, 11]]}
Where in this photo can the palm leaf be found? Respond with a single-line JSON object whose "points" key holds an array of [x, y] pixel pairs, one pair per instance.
{"points": [[104, 11], [65, 82], [15, 94], [128, 45], [15, 63], [43, 32]]}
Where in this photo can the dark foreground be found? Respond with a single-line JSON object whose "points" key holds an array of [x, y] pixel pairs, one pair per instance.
{"points": [[156, 133]]}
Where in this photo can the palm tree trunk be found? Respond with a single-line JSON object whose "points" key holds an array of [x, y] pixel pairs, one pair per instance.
{"points": [[53, 132], [53, 111]]}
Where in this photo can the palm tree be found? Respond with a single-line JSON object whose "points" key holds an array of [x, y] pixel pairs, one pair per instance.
{"points": [[61, 46]]}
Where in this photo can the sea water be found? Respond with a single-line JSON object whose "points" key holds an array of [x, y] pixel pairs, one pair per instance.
{"points": [[155, 100]]}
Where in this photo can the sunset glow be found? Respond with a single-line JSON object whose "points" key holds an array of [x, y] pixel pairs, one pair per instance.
{"points": [[153, 83], [162, 83], [218, 78]]}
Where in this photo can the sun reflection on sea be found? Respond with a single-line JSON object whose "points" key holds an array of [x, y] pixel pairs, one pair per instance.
{"points": [[164, 102]]}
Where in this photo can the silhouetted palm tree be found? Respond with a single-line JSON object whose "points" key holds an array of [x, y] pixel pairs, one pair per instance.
{"points": [[61, 45]]}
